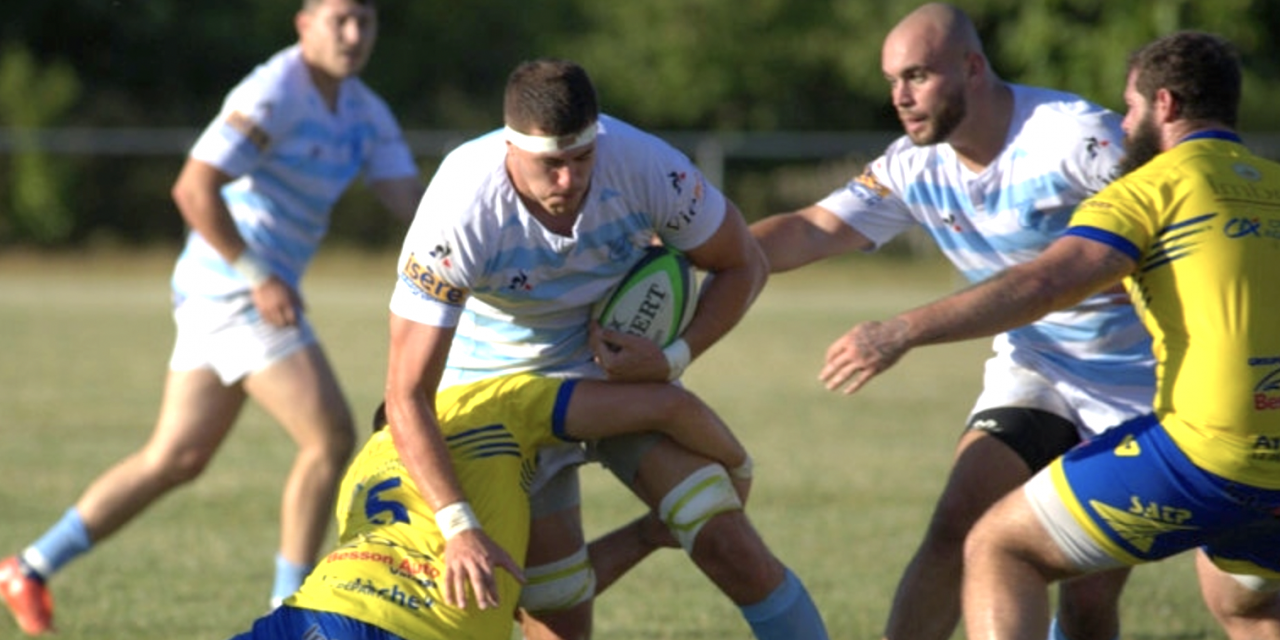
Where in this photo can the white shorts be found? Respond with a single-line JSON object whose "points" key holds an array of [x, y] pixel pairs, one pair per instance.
{"points": [[1092, 406], [228, 336]]}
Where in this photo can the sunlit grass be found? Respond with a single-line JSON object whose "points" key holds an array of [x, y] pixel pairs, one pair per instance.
{"points": [[844, 484]]}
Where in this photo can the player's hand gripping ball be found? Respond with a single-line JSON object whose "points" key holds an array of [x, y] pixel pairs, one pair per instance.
{"points": [[655, 299]]}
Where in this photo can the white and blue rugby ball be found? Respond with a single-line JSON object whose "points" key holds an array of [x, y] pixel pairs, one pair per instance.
{"points": [[655, 299]]}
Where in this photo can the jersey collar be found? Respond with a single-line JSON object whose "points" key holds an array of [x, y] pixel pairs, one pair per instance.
{"points": [[1213, 134]]}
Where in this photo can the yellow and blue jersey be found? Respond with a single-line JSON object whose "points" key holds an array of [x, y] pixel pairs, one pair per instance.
{"points": [[1202, 221], [390, 559]]}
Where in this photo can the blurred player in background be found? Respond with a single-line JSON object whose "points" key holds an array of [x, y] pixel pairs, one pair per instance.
{"points": [[387, 579], [257, 191], [1192, 230], [519, 233], [992, 171]]}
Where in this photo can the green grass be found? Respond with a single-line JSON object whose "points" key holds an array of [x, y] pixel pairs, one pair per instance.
{"points": [[844, 484]]}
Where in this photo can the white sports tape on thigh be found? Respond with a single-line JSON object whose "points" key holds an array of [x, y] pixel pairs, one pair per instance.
{"points": [[1256, 583], [559, 585], [699, 497]]}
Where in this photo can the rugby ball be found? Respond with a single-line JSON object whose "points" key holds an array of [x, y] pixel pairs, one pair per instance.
{"points": [[655, 299]]}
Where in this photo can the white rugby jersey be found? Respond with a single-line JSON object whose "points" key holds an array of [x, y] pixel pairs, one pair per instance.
{"points": [[1060, 150], [531, 290], [292, 158]]}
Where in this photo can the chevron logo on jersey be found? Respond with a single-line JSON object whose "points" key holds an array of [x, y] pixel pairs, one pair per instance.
{"points": [[1140, 524]]}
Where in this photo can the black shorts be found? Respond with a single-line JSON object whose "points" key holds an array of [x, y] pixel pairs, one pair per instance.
{"points": [[1037, 436]]}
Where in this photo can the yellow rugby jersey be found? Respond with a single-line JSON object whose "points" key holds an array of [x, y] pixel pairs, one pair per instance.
{"points": [[390, 559], [1202, 220]]}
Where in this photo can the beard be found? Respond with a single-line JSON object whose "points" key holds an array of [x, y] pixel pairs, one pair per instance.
{"points": [[944, 123], [1140, 146]]}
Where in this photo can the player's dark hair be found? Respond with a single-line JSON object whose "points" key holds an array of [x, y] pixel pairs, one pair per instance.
{"points": [[380, 417], [555, 97], [1201, 70]]}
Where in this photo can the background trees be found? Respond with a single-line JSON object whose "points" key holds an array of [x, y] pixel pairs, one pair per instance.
{"points": [[721, 65]]}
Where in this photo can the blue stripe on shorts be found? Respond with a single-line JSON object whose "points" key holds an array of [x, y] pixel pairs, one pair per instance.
{"points": [[292, 623], [1133, 488]]}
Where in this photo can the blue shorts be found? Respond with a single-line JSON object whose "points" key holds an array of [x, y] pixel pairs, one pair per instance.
{"points": [[291, 623], [1137, 498]]}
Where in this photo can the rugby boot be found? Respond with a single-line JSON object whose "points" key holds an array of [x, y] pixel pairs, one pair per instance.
{"points": [[27, 598]]}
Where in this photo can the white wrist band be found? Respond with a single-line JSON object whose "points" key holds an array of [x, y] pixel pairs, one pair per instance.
{"points": [[251, 268], [745, 470], [678, 357], [456, 518]]}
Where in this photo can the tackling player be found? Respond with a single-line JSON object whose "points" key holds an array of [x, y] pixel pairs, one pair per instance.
{"points": [[388, 579]]}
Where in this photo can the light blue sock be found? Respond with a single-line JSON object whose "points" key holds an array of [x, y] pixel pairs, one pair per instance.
{"points": [[65, 541], [786, 614], [289, 577], [1055, 632]]}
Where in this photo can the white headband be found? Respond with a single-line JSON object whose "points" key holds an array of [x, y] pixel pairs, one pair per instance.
{"points": [[552, 144]]}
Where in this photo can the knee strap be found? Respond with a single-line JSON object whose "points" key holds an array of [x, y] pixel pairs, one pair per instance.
{"points": [[558, 585], [699, 497]]}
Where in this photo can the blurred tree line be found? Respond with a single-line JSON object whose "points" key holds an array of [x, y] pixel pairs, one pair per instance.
{"points": [[720, 65]]}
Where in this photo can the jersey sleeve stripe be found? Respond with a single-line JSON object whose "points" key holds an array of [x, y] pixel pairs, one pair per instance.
{"points": [[1113, 240]]}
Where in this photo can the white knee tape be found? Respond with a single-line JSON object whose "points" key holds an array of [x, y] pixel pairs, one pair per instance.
{"points": [[705, 493], [1257, 583], [559, 585]]}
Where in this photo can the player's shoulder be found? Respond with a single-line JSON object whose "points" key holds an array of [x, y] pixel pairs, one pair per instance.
{"points": [[621, 139], [481, 154], [279, 78], [1051, 111], [637, 161], [472, 176], [905, 158], [364, 103]]}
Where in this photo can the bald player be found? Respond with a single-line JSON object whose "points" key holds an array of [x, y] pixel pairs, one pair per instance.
{"points": [[992, 171]]}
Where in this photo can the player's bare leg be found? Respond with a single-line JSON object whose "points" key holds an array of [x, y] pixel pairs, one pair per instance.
{"points": [[926, 605], [554, 537], [1088, 605], [196, 414], [1009, 561], [620, 550], [1243, 612], [302, 393], [728, 550]]}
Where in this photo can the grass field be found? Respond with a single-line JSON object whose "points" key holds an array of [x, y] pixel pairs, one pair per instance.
{"points": [[844, 484]]}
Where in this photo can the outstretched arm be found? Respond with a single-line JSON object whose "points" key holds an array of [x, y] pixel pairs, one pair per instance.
{"points": [[1070, 270], [793, 240]]}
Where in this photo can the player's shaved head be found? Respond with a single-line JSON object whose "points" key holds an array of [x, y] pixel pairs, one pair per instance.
{"points": [[938, 26]]}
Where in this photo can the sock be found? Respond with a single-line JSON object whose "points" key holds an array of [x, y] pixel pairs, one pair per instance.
{"points": [[1055, 631], [786, 614], [65, 541], [289, 577]]}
